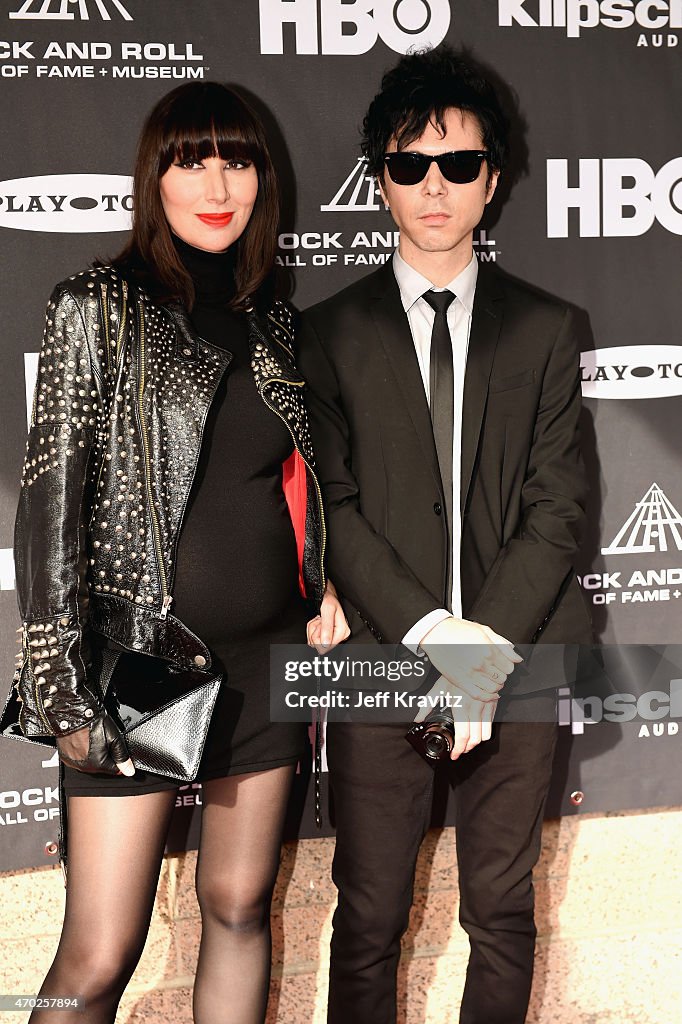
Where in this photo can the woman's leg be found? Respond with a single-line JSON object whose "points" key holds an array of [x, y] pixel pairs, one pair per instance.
{"points": [[115, 849], [239, 852]]}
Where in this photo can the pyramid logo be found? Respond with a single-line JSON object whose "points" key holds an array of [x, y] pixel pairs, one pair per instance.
{"points": [[68, 10], [358, 194], [655, 525]]}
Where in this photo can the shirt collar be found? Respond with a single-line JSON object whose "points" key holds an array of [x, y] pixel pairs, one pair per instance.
{"points": [[412, 284]]}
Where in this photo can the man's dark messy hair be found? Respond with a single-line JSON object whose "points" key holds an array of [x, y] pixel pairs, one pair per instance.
{"points": [[421, 88]]}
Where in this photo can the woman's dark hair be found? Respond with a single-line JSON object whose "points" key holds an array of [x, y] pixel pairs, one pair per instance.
{"points": [[194, 122], [420, 88]]}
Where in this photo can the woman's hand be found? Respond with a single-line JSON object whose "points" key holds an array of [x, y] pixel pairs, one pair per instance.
{"points": [[97, 747], [329, 628]]}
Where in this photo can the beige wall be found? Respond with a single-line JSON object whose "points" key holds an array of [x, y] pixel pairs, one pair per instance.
{"points": [[609, 899]]}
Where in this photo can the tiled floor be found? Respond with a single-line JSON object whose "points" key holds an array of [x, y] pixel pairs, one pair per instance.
{"points": [[609, 913]]}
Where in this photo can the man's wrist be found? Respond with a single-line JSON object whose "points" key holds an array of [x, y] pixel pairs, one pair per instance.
{"points": [[434, 636], [414, 636]]}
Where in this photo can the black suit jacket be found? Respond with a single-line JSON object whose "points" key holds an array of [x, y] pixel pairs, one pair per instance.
{"points": [[523, 488]]}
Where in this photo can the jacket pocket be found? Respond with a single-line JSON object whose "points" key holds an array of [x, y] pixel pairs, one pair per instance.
{"points": [[516, 380]]}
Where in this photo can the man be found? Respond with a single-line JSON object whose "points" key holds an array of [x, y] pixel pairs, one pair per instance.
{"points": [[444, 404]]}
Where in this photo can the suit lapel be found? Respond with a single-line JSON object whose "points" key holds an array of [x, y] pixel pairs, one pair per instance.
{"points": [[485, 330], [394, 331]]}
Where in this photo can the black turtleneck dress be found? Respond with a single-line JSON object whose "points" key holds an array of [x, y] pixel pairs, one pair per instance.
{"points": [[236, 577]]}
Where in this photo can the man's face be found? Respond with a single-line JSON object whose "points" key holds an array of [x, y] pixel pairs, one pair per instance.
{"points": [[435, 215]]}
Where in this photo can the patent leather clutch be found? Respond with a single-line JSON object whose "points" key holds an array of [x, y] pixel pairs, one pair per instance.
{"points": [[163, 714]]}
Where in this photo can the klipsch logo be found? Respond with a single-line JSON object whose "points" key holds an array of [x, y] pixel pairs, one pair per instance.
{"points": [[632, 371], [656, 710], [575, 16], [68, 10], [613, 198], [337, 27], [654, 525], [81, 203]]}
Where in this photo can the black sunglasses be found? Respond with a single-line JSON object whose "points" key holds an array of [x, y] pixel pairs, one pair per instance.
{"points": [[460, 166]]}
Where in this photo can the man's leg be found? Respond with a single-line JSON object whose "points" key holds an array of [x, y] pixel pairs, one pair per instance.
{"points": [[382, 800], [501, 791]]}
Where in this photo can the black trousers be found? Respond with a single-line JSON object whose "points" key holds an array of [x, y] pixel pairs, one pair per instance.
{"points": [[382, 793]]}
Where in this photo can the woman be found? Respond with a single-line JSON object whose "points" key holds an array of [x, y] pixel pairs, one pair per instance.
{"points": [[168, 423]]}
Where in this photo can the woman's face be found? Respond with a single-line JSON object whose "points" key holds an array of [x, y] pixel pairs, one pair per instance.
{"points": [[208, 202]]}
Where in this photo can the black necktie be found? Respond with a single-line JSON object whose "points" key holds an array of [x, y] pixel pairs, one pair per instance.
{"points": [[442, 389]]}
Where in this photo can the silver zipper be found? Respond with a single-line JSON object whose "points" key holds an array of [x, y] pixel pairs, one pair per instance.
{"points": [[166, 597]]}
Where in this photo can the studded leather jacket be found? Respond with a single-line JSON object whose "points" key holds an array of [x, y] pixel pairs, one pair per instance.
{"points": [[123, 390]]}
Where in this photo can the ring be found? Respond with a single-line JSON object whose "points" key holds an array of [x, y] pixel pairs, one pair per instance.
{"points": [[495, 676]]}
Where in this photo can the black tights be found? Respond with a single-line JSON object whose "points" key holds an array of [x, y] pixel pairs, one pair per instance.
{"points": [[115, 850]]}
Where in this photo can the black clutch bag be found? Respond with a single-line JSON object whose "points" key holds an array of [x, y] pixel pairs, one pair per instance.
{"points": [[163, 714]]}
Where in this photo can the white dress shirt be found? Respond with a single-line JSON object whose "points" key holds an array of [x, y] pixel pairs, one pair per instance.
{"points": [[420, 316]]}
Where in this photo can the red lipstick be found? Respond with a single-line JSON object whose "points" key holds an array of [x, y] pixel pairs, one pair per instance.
{"points": [[217, 220]]}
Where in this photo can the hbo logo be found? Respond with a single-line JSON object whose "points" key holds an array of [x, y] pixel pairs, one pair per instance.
{"points": [[335, 27], [614, 197]]}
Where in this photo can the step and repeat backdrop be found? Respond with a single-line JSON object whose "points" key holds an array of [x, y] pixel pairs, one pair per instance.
{"points": [[591, 211]]}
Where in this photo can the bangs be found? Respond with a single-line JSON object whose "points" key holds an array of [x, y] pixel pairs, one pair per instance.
{"points": [[213, 121], [206, 145]]}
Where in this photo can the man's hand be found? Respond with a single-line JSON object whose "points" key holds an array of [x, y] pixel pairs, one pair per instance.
{"points": [[329, 628], [472, 656], [473, 718]]}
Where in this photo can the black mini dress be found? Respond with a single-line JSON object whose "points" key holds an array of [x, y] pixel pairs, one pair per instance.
{"points": [[236, 579]]}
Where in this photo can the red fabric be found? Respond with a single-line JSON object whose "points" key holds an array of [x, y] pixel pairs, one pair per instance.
{"points": [[295, 487]]}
